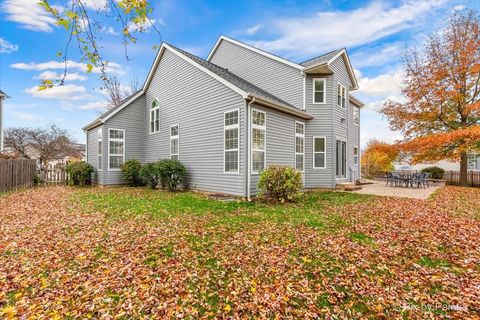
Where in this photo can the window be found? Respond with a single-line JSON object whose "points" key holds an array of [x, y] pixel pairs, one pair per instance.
{"points": [[341, 157], [341, 96], [231, 140], [174, 142], [258, 141], [473, 161], [356, 115], [319, 149], [116, 149], [319, 91], [299, 145], [155, 117], [99, 149], [355, 155]]}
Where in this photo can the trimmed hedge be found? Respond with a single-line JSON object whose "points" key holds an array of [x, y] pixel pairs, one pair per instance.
{"points": [[280, 183], [435, 172]]}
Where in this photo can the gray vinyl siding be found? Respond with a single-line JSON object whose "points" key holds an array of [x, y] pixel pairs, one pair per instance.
{"points": [[92, 154], [342, 130], [131, 119], [353, 141], [280, 141], [320, 125], [279, 79], [196, 102]]}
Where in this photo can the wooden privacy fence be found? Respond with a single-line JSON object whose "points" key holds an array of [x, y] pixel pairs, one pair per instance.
{"points": [[52, 176], [453, 178], [16, 173]]}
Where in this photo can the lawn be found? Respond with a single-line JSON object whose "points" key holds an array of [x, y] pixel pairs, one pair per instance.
{"points": [[134, 253]]}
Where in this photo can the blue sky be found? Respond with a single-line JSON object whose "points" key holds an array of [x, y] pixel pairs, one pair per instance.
{"points": [[375, 33]]}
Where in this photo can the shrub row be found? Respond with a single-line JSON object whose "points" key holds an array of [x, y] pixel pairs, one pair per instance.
{"points": [[168, 173]]}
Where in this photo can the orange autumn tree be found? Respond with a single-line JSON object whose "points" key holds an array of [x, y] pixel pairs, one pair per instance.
{"points": [[378, 158], [441, 116]]}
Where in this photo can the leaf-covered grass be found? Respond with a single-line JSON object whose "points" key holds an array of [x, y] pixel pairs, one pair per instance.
{"points": [[133, 253]]}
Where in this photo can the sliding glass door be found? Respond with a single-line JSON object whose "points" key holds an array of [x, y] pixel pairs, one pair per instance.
{"points": [[341, 159]]}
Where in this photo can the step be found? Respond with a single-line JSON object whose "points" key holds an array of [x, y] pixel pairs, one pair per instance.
{"points": [[343, 185]]}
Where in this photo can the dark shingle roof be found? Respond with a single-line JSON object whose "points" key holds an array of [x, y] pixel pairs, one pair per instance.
{"points": [[234, 79], [4, 94], [320, 59]]}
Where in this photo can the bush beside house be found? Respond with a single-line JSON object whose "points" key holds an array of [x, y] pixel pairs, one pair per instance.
{"points": [[280, 183], [169, 173]]}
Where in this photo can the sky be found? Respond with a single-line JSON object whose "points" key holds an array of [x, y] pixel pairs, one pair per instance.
{"points": [[375, 33]]}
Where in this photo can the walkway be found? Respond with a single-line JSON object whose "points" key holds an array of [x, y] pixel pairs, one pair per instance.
{"points": [[379, 189]]}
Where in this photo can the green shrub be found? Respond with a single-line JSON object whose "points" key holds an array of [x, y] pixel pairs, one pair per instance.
{"points": [[131, 171], [435, 172], [80, 172], [151, 174], [172, 173], [280, 183]]}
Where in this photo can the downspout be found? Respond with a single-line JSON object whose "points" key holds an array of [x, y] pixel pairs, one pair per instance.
{"points": [[247, 118]]}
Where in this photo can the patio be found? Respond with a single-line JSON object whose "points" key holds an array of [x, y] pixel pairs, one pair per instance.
{"points": [[379, 188]]}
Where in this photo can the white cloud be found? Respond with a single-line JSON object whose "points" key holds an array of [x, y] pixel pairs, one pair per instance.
{"points": [[253, 29], [378, 55], [7, 47], [29, 14], [67, 92], [52, 75], [27, 117], [459, 7], [110, 30], [336, 29], [97, 105], [112, 66], [95, 4], [388, 84], [133, 27]]}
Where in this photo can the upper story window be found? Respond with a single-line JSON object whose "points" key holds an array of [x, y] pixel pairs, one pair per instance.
{"points": [[231, 140], [174, 142], [319, 91], [299, 145], [259, 131], [341, 96], [155, 117], [356, 115], [99, 149], [116, 149]]}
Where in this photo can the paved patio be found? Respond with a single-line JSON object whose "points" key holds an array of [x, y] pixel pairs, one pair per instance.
{"points": [[378, 188]]}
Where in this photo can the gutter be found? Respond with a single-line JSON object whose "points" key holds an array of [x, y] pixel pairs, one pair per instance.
{"points": [[290, 110], [247, 126]]}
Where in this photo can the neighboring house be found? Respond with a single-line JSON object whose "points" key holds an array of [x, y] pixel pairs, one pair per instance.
{"points": [[230, 116], [3, 96], [77, 153], [473, 164]]}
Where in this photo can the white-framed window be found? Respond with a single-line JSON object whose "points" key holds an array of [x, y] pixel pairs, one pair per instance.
{"points": [[355, 155], [474, 161], [341, 159], [155, 117], [356, 115], [99, 149], [259, 131], [341, 96], [116, 149], [319, 152], [319, 90], [231, 131], [299, 146], [174, 142]]}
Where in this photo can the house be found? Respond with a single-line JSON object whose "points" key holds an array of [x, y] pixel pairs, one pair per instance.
{"points": [[3, 96], [473, 164], [228, 117]]}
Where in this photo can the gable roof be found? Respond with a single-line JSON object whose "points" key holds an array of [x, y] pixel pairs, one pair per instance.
{"points": [[317, 62], [3, 94], [355, 101], [246, 89], [254, 49]]}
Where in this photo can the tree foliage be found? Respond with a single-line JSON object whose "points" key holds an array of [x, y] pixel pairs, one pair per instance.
{"points": [[378, 158], [44, 144], [440, 118], [85, 26]]}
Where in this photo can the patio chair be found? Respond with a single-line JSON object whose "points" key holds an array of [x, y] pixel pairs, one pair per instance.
{"points": [[426, 175], [392, 179], [418, 180]]}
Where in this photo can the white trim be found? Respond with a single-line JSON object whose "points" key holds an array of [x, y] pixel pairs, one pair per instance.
{"points": [[324, 90], [346, 158], [258, 127], [178, 141], [298, 153], [99, 139], [256, 50], [123, 105], [358, 156], [150, 116], [324, 152], [353, 115], [225, 128], [116, 155], [343, 95]]}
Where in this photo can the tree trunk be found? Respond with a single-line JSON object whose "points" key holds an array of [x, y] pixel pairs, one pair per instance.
{"points": [[463, 170]]}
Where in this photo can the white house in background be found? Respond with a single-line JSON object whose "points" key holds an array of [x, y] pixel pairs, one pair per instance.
{"points": [[3, 96], [473, 164]]}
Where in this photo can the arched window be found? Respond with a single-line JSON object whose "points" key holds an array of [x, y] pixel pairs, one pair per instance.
{"points": [[155, 117]]}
